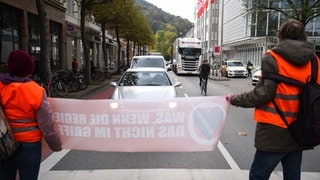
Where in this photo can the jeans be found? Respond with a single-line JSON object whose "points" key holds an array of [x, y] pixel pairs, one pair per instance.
{"points": [[26, 161], [200, 79], [265, 162]]}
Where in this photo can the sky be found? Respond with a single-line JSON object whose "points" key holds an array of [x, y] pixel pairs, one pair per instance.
{"points": [[183, 8]]}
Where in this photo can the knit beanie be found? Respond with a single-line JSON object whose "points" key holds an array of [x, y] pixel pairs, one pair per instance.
{"points": [[20, 63]]}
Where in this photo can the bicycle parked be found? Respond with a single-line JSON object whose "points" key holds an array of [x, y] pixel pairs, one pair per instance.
{"points": [[98, 74], [57, 87], [54, 87], [71, 79], [43, 84], [83, 83]]}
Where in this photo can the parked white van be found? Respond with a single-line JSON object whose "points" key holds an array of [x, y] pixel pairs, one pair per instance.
{"points": [[148, 61]]}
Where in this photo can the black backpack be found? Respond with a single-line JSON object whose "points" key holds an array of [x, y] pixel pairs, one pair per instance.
{"points": [[306, 129]]}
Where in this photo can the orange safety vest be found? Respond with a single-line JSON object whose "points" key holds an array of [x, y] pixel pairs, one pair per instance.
{"points": [[20, 102], [286, 97]]}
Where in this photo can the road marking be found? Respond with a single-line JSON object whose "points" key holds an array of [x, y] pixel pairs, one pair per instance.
{"points": [[228, 157], [225, 153]]}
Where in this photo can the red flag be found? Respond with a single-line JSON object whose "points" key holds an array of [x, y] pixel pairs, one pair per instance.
{"points": [[205, 6], [199, 8]]}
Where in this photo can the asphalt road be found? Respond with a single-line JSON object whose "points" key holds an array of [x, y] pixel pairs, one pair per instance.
{"points": [[234, 152]]}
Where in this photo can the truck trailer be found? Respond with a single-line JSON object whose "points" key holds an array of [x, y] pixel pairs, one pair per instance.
{"points": [[186, 55]]}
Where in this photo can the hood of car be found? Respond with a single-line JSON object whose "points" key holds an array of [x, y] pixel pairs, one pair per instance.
{"points": [[144, 92]]}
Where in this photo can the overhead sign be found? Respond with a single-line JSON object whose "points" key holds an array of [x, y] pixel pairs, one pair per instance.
{"points": [[216, 50]]}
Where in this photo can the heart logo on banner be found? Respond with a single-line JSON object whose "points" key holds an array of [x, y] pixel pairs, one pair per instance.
{"points": [[207, 121]]}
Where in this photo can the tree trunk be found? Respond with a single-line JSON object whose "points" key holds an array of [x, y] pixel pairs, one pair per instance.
{"points": [[44, 62], [86, 57], [134, 49], [119, 49], [128, 50], [104, 48]]}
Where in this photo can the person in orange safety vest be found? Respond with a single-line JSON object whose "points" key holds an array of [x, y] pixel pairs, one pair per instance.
{"points": [[274, 144], [30, 116]]}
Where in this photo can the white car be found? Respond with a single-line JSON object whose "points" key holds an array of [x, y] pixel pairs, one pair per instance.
{"points": [[145, 83], [148, 61], [234, 68], [256, 76]]}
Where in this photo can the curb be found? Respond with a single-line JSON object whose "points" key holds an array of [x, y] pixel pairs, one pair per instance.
{"points": [[219, 78]]}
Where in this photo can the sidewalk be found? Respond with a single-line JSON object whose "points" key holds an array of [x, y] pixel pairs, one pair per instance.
{"points": [[93, 87]]}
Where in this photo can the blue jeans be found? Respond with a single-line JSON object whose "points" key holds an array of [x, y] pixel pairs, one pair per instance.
{"points": [[265, 162], [26, 161]]}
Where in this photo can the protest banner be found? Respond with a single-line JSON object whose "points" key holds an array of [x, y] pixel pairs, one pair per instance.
{"points": [[176, 125]]}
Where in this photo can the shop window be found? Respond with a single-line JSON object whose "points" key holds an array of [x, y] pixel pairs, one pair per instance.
{"points": [[55, 36], [10, 32], [34, 36]]}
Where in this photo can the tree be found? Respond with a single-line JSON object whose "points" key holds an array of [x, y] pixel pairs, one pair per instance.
{"points": [[100, 13], [136, 29], [86, 5], [125, 19], [301, 10], [165, 39]]}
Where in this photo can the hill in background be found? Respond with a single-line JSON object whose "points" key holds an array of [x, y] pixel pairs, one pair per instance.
{"points": [[159, 18]]}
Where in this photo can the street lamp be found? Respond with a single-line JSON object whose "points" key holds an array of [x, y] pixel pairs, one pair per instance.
{"points": [[221, 34]]}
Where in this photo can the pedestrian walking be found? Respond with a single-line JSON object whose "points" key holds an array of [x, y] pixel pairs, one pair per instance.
{"points": [[274, 144], [30, 116], [249, 68]]}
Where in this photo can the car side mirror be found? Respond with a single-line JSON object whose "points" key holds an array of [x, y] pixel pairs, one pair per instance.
{"points": [[177, 84], [114, 84]]}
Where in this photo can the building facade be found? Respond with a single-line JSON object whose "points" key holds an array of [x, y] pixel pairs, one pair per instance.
{"points": [[247, 35], [206, 27], [19, 29]]}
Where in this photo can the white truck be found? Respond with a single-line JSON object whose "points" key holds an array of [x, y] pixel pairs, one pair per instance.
{"points": [[186, 55]]}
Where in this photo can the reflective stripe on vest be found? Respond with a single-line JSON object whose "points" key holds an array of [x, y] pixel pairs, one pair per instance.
{"points": [[23, 125], [286, 97], [25, 129]]}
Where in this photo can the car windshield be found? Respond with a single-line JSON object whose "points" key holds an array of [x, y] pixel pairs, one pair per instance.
{"points": [[235, 63], [145, 79], [148, 62], [190, 51]]}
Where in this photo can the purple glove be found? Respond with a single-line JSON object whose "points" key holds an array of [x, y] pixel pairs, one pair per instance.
{"points": [[54, 142], [228, 97]]}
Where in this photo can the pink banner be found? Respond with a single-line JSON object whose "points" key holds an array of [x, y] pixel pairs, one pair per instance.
{"points": [[180, 124]]}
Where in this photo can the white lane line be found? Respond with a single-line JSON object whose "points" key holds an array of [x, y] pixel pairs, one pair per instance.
{"points": [[232, 163], [52, 160], [228, 157]]}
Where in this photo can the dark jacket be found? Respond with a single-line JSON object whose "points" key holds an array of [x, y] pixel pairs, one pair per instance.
{"points": [[204, 70], [268, 137]]}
